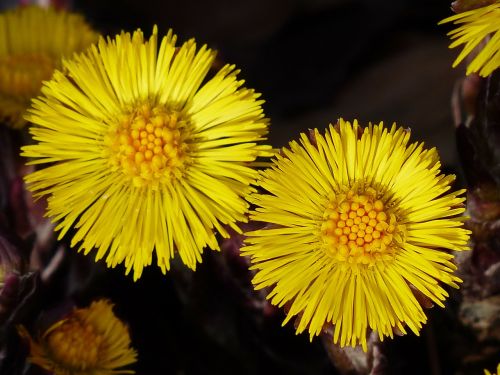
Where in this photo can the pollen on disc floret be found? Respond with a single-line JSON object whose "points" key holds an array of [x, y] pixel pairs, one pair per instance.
{"points": [[359, 229], [149, 145]]}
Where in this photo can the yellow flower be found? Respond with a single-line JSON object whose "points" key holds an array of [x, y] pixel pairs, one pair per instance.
{"points": [[89, 341], [486, 372], [478, 25], [355, 221], [32, 41], [150, 152]]}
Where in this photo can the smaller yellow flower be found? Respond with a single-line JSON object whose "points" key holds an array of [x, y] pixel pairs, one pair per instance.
{"points": [[90, 341], [32, 42], [478, 25], [358, 218], [486, 372]]}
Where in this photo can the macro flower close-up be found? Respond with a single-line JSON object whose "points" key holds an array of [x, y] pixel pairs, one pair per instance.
{"points": [[478, 30], [89, 341], [32, 42], [145, 150], [175, 197], [358, 221]]}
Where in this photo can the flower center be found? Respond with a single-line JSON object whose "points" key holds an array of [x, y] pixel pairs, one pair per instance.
{"points": [[148, 146], [360, 229], [75, 344], [22, 75]]}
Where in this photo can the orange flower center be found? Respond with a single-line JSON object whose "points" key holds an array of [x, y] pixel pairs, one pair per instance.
{"points": [[21, 75], [148, 146], [75, 344], [359, 229]]}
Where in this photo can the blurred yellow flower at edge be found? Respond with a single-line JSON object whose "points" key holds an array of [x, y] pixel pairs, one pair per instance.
{"points": [[89, 341], [151, 152], [32, 42], [356, 219], [486, 372], [481, 25]]}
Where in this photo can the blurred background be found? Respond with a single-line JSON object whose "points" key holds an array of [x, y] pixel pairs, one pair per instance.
{"points": [[313, 61]]}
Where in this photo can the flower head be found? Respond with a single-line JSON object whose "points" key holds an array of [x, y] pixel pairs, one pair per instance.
{"points": [[32, 42], [150, 153], [356, 220], [486, 372], [481, 25], [89, 341]]}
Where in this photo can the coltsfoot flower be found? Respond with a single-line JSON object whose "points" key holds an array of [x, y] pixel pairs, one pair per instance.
{"points": [[89, 341], [357, 219], [32, 42], [481, 25], [146, 152]]}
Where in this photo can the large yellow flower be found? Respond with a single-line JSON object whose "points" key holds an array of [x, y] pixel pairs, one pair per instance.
{"points": [[476, 26], [89, 341], [32, 42], [149, 152], [356, 221]]}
